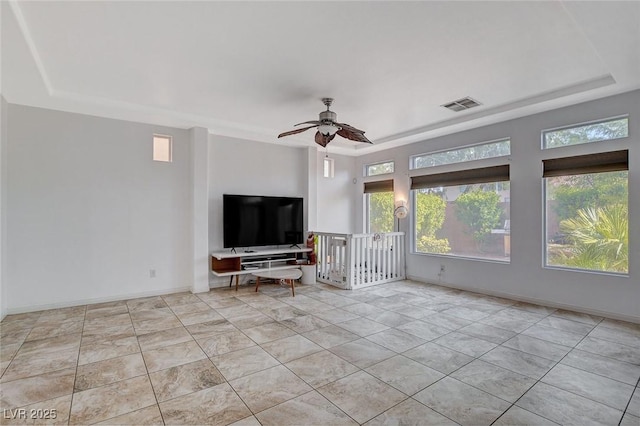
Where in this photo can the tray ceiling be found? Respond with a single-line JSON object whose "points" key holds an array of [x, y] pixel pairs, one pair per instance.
{"points": [[252, 69]]}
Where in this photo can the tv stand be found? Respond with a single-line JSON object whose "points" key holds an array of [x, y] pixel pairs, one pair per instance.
{"points": [[230, 264]]}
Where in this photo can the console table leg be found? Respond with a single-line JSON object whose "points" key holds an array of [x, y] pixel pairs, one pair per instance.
{"points": [[257, 283], [293, 292], [237, 281], [230, 280]]}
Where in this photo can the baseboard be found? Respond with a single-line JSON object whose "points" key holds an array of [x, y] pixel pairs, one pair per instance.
{"points": [[544, 302], [35, 308]]}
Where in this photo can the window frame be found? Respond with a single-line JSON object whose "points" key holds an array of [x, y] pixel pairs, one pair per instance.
{"points": [[375, 186], [328, 167], [544, 201], [412, 158], [169, 140], [544, 132], [365, 171], [491, 169]]}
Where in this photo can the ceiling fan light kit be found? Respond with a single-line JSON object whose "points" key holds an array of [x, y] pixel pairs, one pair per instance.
{"points": [[328, 128]]}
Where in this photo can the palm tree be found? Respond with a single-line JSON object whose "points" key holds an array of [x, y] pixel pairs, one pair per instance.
{"points": [[600, 238]]}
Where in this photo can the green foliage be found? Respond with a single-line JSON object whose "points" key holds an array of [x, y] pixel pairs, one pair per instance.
{"points": [[572, 193], [430, 244], [600, 238], [381, 206], [430, 214], [570, 199], [480, 211]]}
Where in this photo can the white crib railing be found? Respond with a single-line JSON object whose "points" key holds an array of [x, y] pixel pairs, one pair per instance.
{"points": [[353, 261]]}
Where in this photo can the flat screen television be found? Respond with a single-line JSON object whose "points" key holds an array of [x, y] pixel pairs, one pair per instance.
{"points": [[252, 220]]}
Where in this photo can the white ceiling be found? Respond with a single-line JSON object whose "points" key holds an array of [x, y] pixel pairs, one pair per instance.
{"points": [[253, 69]]}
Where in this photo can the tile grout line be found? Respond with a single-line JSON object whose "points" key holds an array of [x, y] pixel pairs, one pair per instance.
{"points": [[531, 387], [142, 375], [557, 363], [629, 402], [75, 375], [478, 358], [227, 381], [144, 361], [313, 388]]}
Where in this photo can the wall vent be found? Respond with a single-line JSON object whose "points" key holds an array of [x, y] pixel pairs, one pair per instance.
{"points": [[462, 104]]}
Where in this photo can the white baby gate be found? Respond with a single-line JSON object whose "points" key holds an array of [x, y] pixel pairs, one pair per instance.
{"points": [[352, 261]]}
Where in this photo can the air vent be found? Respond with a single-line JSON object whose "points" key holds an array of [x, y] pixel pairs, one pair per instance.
{"points": [[462, 104]]}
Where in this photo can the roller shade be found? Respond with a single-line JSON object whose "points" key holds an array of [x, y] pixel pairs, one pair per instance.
{"points": [[378, 186], [614, 161], [462, 177]]}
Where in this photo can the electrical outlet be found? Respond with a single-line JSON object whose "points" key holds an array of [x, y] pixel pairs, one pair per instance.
{"points": [[441, 269], [152, 273]]}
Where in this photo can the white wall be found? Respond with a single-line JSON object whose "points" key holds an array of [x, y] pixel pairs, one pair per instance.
{"points": [[199, 165], [525, 278], [89, 213], [238, 166], [3, 170], [336, 196], [3, 204]]}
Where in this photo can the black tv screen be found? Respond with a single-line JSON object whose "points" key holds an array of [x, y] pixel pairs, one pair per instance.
{"points": [[252, 220]]}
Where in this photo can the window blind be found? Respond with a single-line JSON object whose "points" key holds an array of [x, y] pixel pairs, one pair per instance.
{"points": [[614, 161], [378, 186], [462, 177]]}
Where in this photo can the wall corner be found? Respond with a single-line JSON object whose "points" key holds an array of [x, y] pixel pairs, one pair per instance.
{"points": [[199, 141]]}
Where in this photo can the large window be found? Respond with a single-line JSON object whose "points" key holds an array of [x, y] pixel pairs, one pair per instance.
{"points": [[379, 204], [614, 128], [587, 222], [463, 213], [468, 153]]}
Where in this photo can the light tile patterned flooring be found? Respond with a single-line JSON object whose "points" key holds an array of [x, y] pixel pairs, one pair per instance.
{"points": [[401, 353]]}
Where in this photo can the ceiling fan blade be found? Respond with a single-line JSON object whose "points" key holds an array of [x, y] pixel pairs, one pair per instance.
{"points": [[354, 136], [316, 122], [348, 127], [293, 132], [323, 140]]}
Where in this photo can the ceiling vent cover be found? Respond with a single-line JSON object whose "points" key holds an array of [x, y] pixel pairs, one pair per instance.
{"points": [[462, 104]]}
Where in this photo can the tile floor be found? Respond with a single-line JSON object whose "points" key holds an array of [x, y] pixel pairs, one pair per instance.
{"points": [[402, 353]]}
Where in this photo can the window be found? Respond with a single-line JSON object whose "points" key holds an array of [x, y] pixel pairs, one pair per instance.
{"points": [[474, 152], [379, 204], [379, 168], [328, 167], [464, 213], [615, 128], [586, 220], [162, 148]]}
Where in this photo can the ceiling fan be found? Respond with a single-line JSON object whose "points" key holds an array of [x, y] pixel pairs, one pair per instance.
{"points": [[328, 128]]}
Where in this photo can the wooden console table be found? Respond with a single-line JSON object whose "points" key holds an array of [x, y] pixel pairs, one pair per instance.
{"points": [[229, 264]]}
